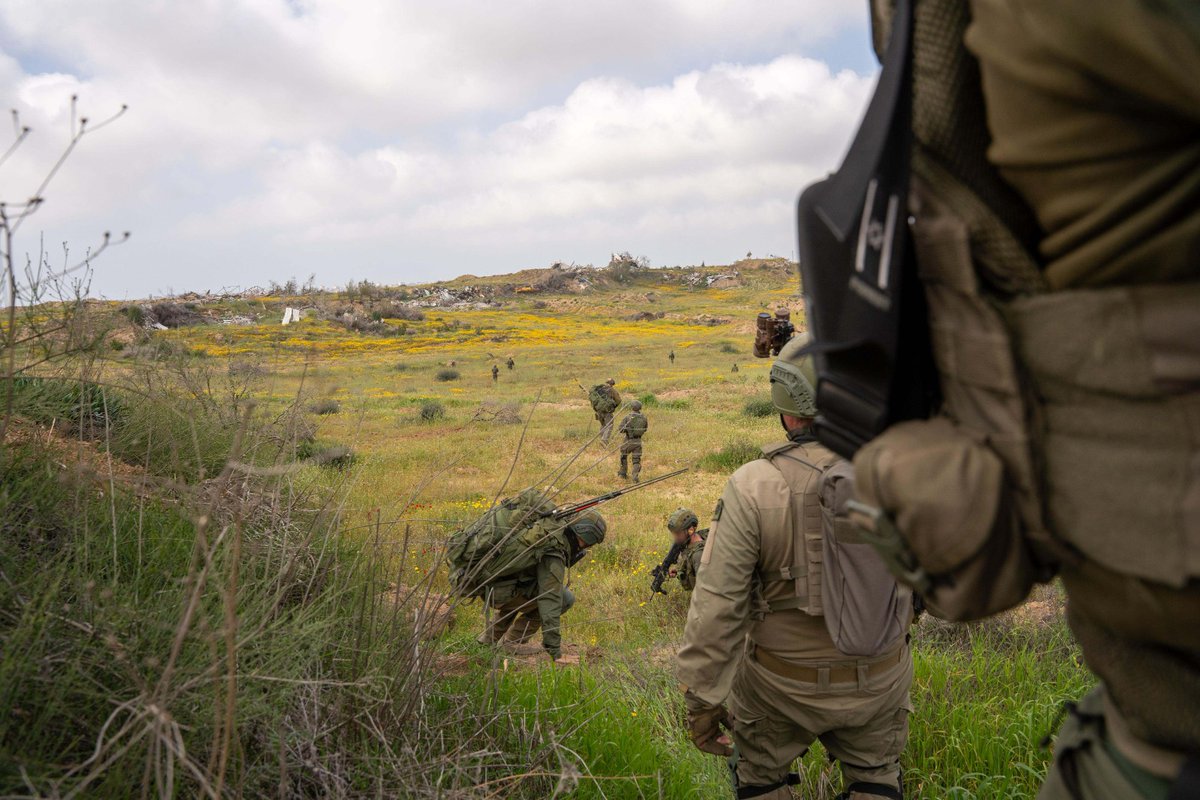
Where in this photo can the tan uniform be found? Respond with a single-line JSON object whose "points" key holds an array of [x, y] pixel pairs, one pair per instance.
{"points": [[793, 685], [1096, 122], [1093, 113]]}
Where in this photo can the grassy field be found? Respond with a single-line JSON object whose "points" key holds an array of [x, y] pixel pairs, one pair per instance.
{"points": [[424, 440]]}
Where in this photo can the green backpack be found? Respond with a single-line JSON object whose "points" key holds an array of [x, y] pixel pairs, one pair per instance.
{"points": [[603, 399], [635, 425], [504, 541]]}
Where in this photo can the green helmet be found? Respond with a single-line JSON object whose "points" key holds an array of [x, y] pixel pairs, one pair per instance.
{"points": [[793, 381], [636, 405], [589, 527], [681, 520]]}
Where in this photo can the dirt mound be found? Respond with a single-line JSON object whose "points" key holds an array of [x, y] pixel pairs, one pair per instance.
{"points": [[645, 316]]}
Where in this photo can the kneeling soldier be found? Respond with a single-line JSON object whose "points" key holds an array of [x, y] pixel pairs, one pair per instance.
{"points": [[826, 655], [683, 525]]}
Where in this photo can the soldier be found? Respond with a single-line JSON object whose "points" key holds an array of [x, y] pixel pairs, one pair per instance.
{"points": [[537, 596], [634, 427], [683, 526], [735, 367], [511, 364], [605, 399], [671, 357], [1065, 219], [495, 373], [763, 580]]}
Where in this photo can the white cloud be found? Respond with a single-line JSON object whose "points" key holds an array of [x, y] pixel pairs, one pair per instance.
{"points": [[263, 134]]}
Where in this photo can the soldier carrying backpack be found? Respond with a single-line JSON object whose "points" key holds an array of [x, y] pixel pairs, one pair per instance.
{"points": [[515, 558], [634, 427], [605, 399], [785, 580]]}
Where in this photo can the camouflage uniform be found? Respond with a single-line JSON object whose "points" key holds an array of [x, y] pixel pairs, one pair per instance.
{"points": [[792, 686], [537, 596], [689, 560], [631, 448], [605, 418], [495, 373], [511, 364]]}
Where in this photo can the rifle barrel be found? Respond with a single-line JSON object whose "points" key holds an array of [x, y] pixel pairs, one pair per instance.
{"points": [[575, 508]]}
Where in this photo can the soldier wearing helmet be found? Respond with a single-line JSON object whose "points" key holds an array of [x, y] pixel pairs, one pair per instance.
{"points": [[772, 634], [634, 427], [536, 596], [683, 525]]}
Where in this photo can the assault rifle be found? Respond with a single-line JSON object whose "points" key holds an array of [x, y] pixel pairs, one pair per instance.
{"points": [[571, 509], [662, 571]]}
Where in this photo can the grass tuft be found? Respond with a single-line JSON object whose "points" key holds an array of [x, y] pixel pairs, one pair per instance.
{"points": [[759, 407], [730, 457]]}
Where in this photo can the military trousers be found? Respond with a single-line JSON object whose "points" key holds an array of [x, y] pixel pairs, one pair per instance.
{"points": [[862, 723], [1090, 761], [517, 619], [631, 456], [606, 426]]}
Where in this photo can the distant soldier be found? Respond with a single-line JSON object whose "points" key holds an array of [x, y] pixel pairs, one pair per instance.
{"points": [[735, 367], [511, 364], [683, 525], [634, 427], [605, 399], [515, 558], [801, 630], [495, 373], [671, 357]]}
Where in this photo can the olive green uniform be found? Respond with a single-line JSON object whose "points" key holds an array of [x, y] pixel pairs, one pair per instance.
{"points": [[1093, 110], [689, 561], [631, 448], [532, 599], [751, 635], [605, 418]]}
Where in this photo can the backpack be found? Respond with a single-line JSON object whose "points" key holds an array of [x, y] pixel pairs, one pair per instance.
{"points": [[866, 612], [603, 399], [507, 540], [635, 426]]}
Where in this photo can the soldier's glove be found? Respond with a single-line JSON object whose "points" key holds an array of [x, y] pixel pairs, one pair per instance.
{"points": [[704, 725]]}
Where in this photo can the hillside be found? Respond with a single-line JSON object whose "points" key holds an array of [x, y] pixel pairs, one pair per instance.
{"points": [[343, 449]]}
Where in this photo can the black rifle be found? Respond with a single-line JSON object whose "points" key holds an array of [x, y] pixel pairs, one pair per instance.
{"points": [[662, 571], [571, 509]]}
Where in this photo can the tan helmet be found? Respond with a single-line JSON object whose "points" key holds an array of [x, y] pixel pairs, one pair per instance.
{"points": [[682, 520], [611, 382], [794, 381]]}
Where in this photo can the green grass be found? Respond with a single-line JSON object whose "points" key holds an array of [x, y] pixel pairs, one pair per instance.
{"points": [[730, 457], [760, 407]]}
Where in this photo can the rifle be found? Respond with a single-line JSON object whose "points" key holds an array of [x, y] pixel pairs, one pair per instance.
{"points": [[662, 571], [571, 509]]}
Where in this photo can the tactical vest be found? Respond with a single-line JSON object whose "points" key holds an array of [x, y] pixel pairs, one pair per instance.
{"points": [[797, 582], [1047, 394]]}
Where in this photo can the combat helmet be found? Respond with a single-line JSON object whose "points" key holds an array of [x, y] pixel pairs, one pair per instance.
{"points": [[636, 405], [611, 381], [589, 526], [682, 520], [793, 381]]}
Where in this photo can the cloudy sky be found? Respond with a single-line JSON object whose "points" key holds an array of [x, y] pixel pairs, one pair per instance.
{"points": [[405, 140]]}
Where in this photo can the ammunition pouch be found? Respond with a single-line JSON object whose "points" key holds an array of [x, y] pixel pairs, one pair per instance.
{"points": [[961, 489]]}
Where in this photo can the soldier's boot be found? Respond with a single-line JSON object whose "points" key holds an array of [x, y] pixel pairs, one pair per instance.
{"points": [[622, 471], [517, 641], [523, 630], [496, 629]]}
